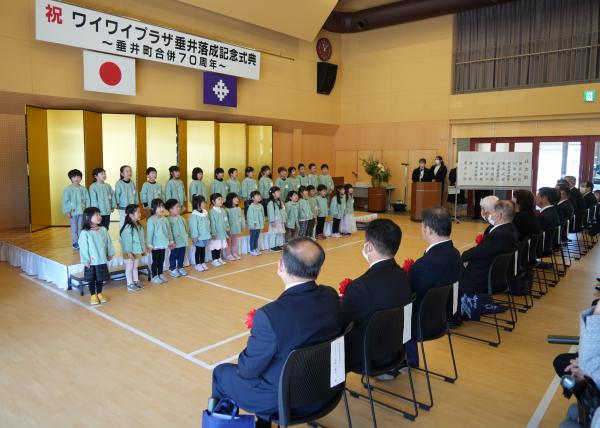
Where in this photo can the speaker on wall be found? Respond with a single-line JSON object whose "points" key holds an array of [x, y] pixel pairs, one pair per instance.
{"points": [[326, 74]]}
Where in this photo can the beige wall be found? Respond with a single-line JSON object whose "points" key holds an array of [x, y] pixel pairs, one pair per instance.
{"points": [[14, 208]]}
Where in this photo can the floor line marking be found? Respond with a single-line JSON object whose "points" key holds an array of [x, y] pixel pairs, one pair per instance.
{"points": [[224, 287], [347, 244], [542, 407], [119, 323], [226, 360], [216, 345]]}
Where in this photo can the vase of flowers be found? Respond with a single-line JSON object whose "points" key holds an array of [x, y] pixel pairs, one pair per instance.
{"points": [[377, 171]]}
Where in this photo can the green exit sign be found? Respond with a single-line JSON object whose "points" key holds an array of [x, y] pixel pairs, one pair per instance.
{"points": [[589, 96]]}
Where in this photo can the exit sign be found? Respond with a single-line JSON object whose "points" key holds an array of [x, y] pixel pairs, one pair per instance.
{"points": [[589, 96]]}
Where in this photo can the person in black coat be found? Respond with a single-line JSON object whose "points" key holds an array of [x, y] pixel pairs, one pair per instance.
{"points": [[439, 172], [304, 314], [525, 220], [565, 209], [546, 199], [477, 261], [422, 173], [383, 286], [577, 201], [439, 266], [587, 188]]}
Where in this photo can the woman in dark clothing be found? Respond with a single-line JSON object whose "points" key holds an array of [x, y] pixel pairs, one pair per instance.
{"points": [[525, 219], [439, 172]]}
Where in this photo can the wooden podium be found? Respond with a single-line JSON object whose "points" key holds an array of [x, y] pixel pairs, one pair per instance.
{"points": [[424, 195]]}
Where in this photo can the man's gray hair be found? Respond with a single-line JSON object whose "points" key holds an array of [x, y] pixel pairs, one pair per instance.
{"points": [[488, 203], [506, 208]]}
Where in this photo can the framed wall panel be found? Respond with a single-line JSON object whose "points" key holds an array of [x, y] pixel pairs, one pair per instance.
{"points": [[92, 136], [65, 152], [37, 161], [161, 145], [140, 151], [232, 146], [201, 149], [182, 150], [260, 146]]}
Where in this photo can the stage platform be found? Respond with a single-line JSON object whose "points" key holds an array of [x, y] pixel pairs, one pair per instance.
{"points": [[48, 255]]}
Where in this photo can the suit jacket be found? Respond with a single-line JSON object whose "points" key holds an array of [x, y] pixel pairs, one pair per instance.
{"points": [[549, 218], [565, 210], [440, 266], [303, 315], [427, 175], [527, 224], [577, 199], [441, 174], [590, 200], [501, 240], [384, 286]]}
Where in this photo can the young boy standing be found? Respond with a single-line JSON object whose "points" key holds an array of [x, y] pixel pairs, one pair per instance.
{"points": [[75, 199]]}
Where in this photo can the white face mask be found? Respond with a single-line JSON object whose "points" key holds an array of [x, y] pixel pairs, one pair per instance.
{"points": [[437, 161], [491, 221], [364, 253]]}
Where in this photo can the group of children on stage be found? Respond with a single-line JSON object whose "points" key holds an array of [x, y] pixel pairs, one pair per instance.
{"points": [[297, 204]]}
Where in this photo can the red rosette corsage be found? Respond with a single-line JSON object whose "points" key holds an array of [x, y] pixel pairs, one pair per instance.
{"points": [[407, 265], [250, 318], [344, 283], [479, 238]]}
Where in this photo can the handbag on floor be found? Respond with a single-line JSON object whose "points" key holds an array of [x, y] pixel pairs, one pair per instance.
{"points": [[226, 415]]}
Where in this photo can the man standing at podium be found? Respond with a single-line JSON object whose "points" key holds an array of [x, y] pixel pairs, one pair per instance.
{"points": [[422, 173]]}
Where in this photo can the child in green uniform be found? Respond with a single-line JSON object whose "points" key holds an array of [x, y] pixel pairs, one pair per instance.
{"points": [[256, 221], [219, 228], [158, 238], [321, 200], [125, 193], [180, 237], [200, 231], [249, 185], [233, 184], [264, 185], [283, 183], [174, 187], [293, 179], [218, 185], [96, 250], [75, 199], [326, 179], [305, 212], [133, 245], [102, 196], [336, 209], [313, 180], [312, 200], [197, 186], [291, 212], [151, 190], [302, 177], [348, 225], [235, 218], [277, 218]]}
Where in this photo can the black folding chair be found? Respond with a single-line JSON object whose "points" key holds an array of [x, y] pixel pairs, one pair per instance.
{"points": [[305, 381], [432, 324], [520, 278], [383, 351], [534, 252], [497, 284]]}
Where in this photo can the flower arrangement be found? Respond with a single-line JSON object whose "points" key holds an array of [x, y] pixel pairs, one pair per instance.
{"points": [[479, 238], [250, 318], [376, 170], [344, 283], [407, 265]]}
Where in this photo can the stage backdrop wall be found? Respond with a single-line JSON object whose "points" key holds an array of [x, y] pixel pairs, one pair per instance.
{"points": [[60, 140]]}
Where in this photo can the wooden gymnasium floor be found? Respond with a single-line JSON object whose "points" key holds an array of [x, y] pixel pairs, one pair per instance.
{"points": [[145, 359]]}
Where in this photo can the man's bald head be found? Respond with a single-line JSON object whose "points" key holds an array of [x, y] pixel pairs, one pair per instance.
{"points": [[303, 258]]}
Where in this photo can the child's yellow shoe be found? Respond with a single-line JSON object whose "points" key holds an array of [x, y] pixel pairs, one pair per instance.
{"points": [[102, 298], [94, 300]]}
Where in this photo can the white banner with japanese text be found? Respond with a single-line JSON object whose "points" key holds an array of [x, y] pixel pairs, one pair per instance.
{"points": [[489, 170], [71, 25]]}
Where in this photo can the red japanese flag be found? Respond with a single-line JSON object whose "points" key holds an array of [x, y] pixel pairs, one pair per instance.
{"points": [[108, 73]]}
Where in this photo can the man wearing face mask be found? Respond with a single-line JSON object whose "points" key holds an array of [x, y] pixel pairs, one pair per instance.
{"points": [[304, 314], [383, 286], [439, 172], [422, 173], [487, 205], [501, 239]]}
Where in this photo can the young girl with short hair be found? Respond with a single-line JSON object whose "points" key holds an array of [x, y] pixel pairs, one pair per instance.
{"points": [[235, 218], [200, 231], [264, 185], [219, 227], [219, 185], [102, 196], [96, 250], [125, 193], [249, 185], [158, 238], [348, 225], [336, 209], [277, 217], [256, 221], [292, 214], [233, 184], [197, 186], [151, 190], [180, 237], [133, 245], [174, 188]]}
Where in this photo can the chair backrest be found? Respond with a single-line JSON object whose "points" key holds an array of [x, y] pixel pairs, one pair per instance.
{"points": [[305, 379], [534, 250], [564, 230], [522, 255], [549, 239], [498, 273], [433, 313], [573, 224], [383, 340]]}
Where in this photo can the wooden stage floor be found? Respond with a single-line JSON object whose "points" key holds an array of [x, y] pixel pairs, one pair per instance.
{"points": [[145, 359]]}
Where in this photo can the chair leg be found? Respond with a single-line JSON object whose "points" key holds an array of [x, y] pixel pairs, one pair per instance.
{"points": [[347, 409], [371, 403], [489, 342], [430, 405]]}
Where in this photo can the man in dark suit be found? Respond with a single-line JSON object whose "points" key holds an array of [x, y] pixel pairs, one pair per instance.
{"points": [[304, 314], [576, 200], [565, 209], [549, 218], [439, 266], [587, 188], [383, 286], [422, 173], [477, 261]]}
